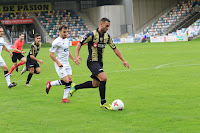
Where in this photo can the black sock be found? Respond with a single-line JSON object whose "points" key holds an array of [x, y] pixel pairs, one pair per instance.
{"points": [[68, 84], [102, 91], [62, 82], [6, 73], [87, 84], [29, 78]]}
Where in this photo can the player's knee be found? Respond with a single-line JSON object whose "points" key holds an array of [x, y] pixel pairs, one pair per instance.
{"points": [[103, 78], [37, 72], [5, 68], [31, 71], [95, 85]]}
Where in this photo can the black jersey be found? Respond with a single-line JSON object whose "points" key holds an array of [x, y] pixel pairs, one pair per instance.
{"points": [[96, 44], [34, 49]]}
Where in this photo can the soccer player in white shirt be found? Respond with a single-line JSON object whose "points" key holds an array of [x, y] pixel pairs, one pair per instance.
{"points": [[2, 62], [60, 47]]}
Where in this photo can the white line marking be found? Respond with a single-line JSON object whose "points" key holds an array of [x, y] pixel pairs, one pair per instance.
{"points": [[175, 63], [162, 66]]}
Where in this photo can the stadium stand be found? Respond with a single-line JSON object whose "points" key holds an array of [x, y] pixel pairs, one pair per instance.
{"points": [[192, 30], [16, 15], [168, 19], [51, 20]]}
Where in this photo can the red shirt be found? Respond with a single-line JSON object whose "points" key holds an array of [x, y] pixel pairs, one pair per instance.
{"points": [[18, 45]]}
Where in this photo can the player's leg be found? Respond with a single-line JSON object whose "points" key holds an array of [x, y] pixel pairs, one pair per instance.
{"points": [[31, 72], [14, 60], [62, 74], [68, 80], [37, 70], [102, 90], [26, 66], [13, 67], [102, 86], [23, 59], [7, 76], [88, 84], [21, 63]]}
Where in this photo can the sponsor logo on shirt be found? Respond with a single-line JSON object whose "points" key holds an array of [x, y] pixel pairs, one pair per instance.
{"points": [[95, 45], [66, 49]]}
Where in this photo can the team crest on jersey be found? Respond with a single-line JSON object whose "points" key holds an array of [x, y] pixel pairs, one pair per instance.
{"points": [[101, 39], [66, 49], [95, 45]]}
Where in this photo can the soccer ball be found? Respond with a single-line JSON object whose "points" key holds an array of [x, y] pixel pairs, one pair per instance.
{"points": [[117, 105]]}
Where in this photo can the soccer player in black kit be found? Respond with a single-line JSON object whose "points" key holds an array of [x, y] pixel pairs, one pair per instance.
{"points": [[96, 41], [32, 62]]}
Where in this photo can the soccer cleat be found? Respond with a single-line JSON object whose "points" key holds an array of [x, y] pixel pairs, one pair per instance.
{"points": [[72, 90], [65, 101], [16, 69], [48, 86], [23, 70], [106, 106], [28, 85], [13, 84]]}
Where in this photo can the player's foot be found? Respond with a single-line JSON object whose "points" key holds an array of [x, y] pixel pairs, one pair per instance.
{"points": [[106, 106], [23, 70], [72, 90], [48, 86], [65, 101], [13, 84], [28, 84], [16, 69]]}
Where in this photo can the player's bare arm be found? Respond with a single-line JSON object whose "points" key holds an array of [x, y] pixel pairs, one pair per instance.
{"points": [[118, 53], [71, 57], [6, 49], [78, 47], [55, 60], [34, 58], [23, 52]]}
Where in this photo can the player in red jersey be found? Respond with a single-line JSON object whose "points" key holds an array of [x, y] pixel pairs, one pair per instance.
{"points": [[17, 53]]}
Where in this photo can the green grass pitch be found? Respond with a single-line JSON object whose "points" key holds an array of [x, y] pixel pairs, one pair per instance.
{"points": [[161, 93]]}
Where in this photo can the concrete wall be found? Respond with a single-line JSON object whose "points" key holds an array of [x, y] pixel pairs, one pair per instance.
{"points": [[145, 12], [116, 14]]}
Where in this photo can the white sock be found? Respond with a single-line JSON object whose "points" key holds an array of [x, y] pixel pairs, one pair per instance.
{"points": [[7, 76], [56, 82], [66, 92]]}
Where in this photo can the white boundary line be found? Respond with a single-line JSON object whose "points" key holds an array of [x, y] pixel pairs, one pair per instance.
{"points": [[161, 66], [175, 63]]}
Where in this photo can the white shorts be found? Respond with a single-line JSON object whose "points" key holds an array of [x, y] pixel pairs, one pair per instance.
{"points": [[63, 71], [2, 62]]}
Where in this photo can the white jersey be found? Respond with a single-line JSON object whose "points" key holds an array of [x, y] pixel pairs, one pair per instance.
{"points": [[1, 44], [60, 46]]}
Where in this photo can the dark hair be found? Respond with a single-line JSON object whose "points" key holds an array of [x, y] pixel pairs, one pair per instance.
{"points": [[36, 35], [104, 20], [62, 27], [21, 34], [1, 27]]}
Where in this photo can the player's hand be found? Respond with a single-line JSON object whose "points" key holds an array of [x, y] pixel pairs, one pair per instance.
{"points": [[23, 52], [41, 61], [11, 55], [77, 60], [60, 65], [125, 64]]}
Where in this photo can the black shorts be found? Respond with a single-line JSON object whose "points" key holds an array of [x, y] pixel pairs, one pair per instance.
{"points": [[31, 63], [96, 68], [16, 56]]}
